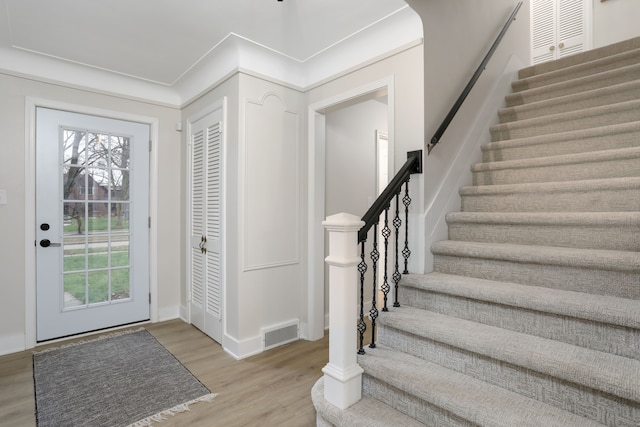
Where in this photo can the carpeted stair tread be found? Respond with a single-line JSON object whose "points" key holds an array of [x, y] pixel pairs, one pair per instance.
{"points": [[582, 185], [621, 112], [606, 309], [614, 219], [595, 195], [592, 139], [367, 412], [478, 402], [579, 70], [582, 57], [547, 255], [615, 163], [597, 370], [562, 159], [586, 99], [577, 85], [587, 230]]}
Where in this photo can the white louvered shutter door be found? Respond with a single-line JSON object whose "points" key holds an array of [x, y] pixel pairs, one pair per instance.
{"points": [[207, 224], [558, 28]]}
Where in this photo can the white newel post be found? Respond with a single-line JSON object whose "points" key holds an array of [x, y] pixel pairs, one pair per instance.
{"points": [[343, 375]]}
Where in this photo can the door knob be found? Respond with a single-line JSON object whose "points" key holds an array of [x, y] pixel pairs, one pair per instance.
{"points": [[561, 45], [552, 48], [45, 243]]}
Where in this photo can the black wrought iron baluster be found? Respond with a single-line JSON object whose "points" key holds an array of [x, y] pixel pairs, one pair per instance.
{"points": [[362, 326], [373, 313], [397, 222], [386, 232], [406, 253]]}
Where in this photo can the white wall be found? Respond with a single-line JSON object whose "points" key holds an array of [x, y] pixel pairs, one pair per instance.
{"points": [[351, 156], [614, 21], [13, 244], [271, 209], [457, 35]]}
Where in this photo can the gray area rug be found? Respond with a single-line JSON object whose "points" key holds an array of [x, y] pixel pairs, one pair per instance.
{"points": [[118, 380]]}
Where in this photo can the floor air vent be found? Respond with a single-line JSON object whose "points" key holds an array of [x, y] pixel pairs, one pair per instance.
{"points": [[279, 335]]}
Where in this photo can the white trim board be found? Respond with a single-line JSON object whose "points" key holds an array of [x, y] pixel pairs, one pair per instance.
{"points": [[315, 326]]}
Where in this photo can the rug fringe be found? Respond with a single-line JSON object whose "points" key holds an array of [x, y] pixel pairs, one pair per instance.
{"points": [[101, 337], [183, 407]]}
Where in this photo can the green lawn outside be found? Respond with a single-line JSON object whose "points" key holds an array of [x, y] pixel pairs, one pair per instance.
{"points": [[74, 283], [96, 224]]}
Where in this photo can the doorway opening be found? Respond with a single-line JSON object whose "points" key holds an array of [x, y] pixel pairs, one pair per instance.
{"points": [[343, 140]]}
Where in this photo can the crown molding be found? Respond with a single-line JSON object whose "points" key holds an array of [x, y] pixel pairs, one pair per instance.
{"points": [[234, 54]]}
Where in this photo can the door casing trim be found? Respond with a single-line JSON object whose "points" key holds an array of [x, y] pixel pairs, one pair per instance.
{"points": [[31, 103]]}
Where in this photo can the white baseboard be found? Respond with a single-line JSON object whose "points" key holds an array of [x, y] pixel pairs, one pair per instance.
{"points": [[242, 349]]}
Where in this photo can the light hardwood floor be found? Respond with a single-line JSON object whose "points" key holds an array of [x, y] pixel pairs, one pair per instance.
{"points": [[270, 389]]}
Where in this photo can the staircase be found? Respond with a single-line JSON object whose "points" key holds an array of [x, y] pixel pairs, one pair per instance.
{"points": [[532, 314]]}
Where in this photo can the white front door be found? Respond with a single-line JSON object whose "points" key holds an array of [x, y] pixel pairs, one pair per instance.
{"points": [[206, 274], [559, 28], [92, 257]]}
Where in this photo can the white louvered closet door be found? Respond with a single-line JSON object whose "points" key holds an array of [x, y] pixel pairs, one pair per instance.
{"points": [[559, 28], [206, 263]]}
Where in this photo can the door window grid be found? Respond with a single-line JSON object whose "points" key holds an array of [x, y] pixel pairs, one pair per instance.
{"points": [[96, 205]]}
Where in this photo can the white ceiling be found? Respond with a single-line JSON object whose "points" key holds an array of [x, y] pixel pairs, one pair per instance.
{"points": [[161, 40]]}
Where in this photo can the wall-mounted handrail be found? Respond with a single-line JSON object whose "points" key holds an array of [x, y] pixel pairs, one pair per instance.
{"points": [[447, 120], [411, 166]]}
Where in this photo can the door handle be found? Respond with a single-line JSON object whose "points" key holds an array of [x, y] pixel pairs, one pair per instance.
{"points": [[45, 243], [203, 244]]}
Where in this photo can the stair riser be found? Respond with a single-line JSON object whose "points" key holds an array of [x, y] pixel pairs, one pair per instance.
{"points": [[564, 145], [623, 113], [582, 237], [584, 70], [621, 200], [425, 412], [575, 398], [567, 278], [597, 169], [584, 333], [621, 94], [544, 93]]}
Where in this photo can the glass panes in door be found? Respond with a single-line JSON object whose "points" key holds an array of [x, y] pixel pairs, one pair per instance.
{"points": [[96, 234]]}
